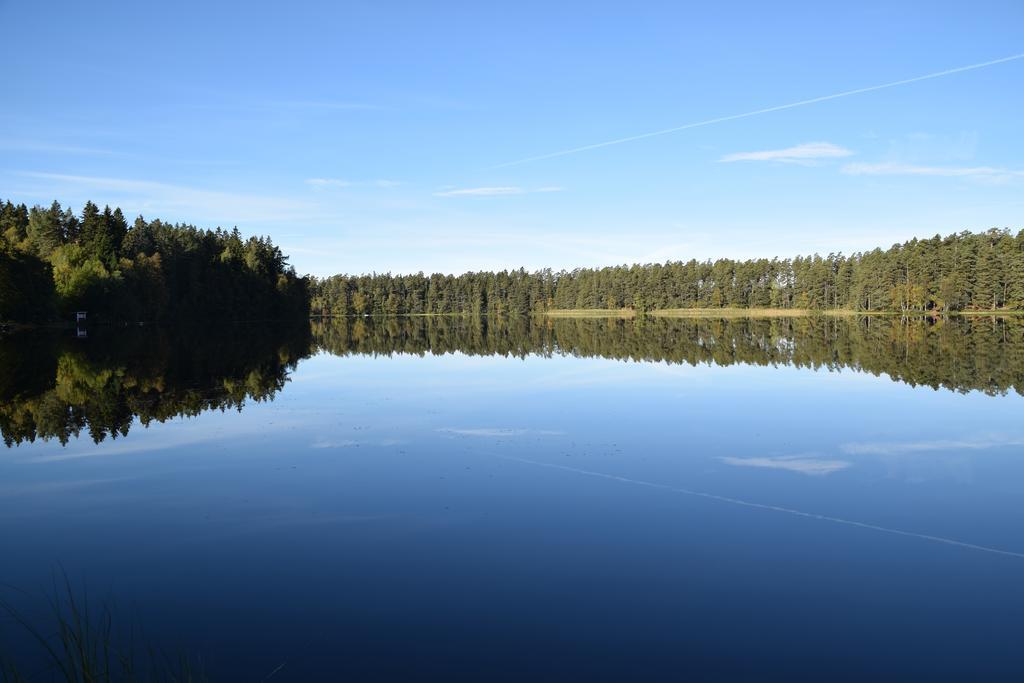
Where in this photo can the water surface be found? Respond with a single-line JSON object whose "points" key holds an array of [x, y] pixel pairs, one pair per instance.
{"points": [[443, 498]]}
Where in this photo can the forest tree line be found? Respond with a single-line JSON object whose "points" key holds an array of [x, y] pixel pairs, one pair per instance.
{"points": [[959, 272], [54, 262]]}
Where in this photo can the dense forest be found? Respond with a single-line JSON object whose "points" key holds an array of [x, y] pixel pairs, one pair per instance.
{"points": [[53, 262], [961, 272]]}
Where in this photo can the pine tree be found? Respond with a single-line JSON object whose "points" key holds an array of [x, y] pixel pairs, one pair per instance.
{"points": [[91, 234], [45, 230]]}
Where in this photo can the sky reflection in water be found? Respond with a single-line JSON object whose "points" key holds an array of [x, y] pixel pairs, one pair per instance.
{"points": [[463, 515]]}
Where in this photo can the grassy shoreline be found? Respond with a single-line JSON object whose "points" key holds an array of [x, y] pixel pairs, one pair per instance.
{"points": [[706, 313], [761, 313], [737, 312], [591, 313]]}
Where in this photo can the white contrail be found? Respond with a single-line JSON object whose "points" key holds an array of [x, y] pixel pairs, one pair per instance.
{"points": [[764, 506], [767, 110]]}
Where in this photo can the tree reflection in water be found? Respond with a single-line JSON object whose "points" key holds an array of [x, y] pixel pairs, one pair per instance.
{"points": [[56, 386]]}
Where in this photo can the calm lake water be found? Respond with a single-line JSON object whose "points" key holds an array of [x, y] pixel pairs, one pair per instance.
{"points": [[445, 499]]}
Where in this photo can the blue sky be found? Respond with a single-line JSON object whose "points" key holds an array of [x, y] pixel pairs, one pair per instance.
{"points": [[377, 136]]}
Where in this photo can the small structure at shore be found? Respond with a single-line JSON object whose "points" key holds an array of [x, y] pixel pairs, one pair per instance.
{"points": [[80, 316]]}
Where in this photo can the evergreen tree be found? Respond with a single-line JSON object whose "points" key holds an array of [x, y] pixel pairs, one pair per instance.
{"points": [[45, 230]]}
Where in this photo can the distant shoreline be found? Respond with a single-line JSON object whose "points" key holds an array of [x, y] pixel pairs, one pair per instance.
{"points": [[626, 313], [629, 313]]}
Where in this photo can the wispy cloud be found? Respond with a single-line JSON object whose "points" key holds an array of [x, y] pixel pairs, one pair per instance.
{"points": [[321, 104], [811, 466], [766, 507], [806, 152], [480, 192], [58, 486], [321, 444], [766, 110], [901, 447], [327, 443], [486, 431], [187, 202], [189, 434], [341, 182], [52, 148], [893, 168], [328, 182], [494, 191], [498, 432]]}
